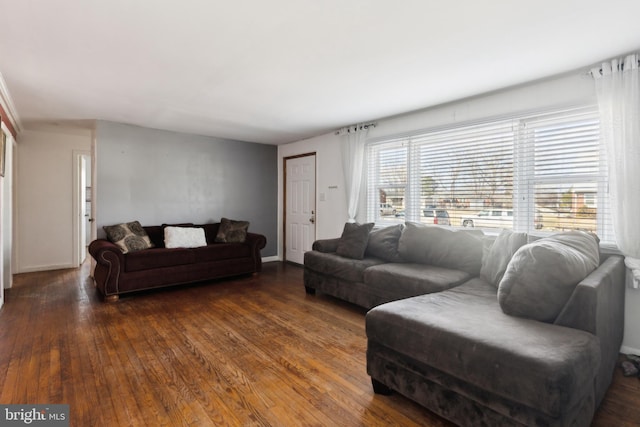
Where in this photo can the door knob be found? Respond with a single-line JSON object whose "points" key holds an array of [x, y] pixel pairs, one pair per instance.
{"points": [[312, 220]]}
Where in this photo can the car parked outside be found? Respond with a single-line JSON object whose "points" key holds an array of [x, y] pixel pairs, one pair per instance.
{"points": [[387, 209], [440, 216], [490, 218], [496, 218]]}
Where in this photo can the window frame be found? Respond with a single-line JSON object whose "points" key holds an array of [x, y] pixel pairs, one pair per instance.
{"points": [[524, 180]]}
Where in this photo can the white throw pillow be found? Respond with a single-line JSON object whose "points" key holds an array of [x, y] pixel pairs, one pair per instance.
{"points": [[184, 237]]}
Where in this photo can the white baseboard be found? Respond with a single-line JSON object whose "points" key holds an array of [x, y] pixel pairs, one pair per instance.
{"points": [[37, 268], [34, 269], [629, 350]]}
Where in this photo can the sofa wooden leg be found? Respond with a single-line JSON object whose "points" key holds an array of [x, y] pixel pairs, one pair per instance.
{"points": [[379, 388], [309, 291], [112, 298]]}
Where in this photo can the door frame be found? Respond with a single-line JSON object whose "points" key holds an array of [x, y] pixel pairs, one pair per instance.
{"points": [[284, 199], [78, 245]]}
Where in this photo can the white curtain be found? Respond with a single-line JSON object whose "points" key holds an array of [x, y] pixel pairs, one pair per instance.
{"points": [[352, 146], [619, 103]]}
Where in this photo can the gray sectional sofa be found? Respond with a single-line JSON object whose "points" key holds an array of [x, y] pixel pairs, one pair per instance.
{"points": [[507, 330], [394, 263]]}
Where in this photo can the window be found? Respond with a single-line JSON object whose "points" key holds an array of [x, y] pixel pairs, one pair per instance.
{"points": [[537, 172]]}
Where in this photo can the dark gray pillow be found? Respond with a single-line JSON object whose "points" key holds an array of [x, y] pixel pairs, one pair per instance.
{"points": [[496, 259], [231, 231], [129, 237], [542, 275], [383, 243], [354, 240]]}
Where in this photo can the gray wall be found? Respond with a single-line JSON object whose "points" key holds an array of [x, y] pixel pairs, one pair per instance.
{"points": [[159, 177]]}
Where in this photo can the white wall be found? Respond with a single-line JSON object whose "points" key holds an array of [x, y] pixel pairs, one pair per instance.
{"points": [[331, 213], [567, 90], [631, 341], [6, 217], [562, 91], [7, 213], [44, 214]]}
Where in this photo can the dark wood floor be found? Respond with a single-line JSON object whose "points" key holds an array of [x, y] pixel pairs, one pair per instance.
{"points": [[252, 351]]}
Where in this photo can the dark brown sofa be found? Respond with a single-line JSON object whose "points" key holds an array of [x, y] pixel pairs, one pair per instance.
{"points": [[117, 273]]}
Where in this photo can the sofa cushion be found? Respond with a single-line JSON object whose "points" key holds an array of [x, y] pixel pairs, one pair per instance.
{"points": [[221, 251], [443, 247], [542, 275], [157, 258], [156, 235], [496, 259], [210, 231], [184, 237], [232, 231], [354, 240], [402, 280], [463, 332], [129, 237], [383, 243], [348, 269]]}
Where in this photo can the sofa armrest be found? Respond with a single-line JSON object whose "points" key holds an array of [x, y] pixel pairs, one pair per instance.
{"points": [[98, 248], [597, 303], [109, 266], [326, 245], [257, 242], [597, 306]]}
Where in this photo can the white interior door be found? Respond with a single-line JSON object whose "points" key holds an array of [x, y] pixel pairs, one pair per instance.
{"points": [[80, 231], [88, 197], [300, 215], [82, 220]]}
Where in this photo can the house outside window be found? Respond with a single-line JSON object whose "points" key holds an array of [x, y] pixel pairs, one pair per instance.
{"points": [[542, 172]]}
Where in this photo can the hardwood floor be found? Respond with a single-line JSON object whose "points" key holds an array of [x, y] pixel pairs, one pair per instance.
{"points": [[251, 351]]}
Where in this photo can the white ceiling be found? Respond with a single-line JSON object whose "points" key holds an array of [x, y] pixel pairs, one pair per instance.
{"points": [[279, 71]]}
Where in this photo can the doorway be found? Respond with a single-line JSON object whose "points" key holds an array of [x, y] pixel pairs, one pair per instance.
{"points": [[300, 206], [82, 207]]}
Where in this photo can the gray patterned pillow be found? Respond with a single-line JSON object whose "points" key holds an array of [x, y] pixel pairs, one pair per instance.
{"points": [[231, 231], [129, 237]]}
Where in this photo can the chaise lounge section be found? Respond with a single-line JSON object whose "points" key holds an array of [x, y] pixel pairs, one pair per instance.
{"points": [[457, 353]]}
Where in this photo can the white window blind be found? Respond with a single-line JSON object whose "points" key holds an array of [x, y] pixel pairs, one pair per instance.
{"points": [[388, 165], [543, 171], [467, 169], [567, 175]]}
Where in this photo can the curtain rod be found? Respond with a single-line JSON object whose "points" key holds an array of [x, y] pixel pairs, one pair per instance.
{"points": [[355, 128], [621, 61]]}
